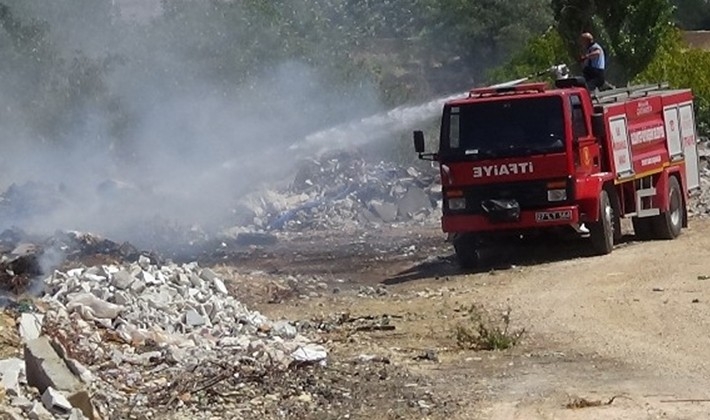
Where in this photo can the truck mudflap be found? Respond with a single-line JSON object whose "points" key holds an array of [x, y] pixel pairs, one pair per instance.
{"points": [[526, 219]]}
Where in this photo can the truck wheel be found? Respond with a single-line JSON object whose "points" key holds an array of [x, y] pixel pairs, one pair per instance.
{"points": [[467, 252], [643, 228], [668, 225], [602, 232]]}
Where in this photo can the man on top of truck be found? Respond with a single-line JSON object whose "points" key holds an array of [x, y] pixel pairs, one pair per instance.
{"points": [[593, 62]]}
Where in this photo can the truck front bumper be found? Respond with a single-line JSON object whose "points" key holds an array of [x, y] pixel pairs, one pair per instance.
{"points": [[528, 220]]}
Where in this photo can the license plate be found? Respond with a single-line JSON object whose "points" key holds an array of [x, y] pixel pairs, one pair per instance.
{"points": [[553, 216]]}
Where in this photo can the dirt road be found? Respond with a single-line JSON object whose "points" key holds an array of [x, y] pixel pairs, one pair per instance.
{"points": [[631, 327]]}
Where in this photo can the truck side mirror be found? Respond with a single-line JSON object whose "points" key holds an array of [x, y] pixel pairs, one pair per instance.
{"points": [[419, 141]]}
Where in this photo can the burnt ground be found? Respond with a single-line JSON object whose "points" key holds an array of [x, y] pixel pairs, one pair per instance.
{"points": [[620, 335]]}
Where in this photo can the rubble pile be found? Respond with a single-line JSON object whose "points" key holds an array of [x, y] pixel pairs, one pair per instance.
{"points": [[700, 203], [108, 339], [343, 190]]}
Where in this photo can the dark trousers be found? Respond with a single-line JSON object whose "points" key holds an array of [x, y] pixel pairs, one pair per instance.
{"points": [[594, 77]]}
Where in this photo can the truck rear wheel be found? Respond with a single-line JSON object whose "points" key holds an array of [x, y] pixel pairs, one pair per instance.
{"points": [[467, 251], [602, 231], [668, 224]]}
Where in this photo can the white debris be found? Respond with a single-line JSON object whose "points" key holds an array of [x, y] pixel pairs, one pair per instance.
{"points": [[311, 353], [91, 307], [55, 402], [30, 326], [10, 371]]}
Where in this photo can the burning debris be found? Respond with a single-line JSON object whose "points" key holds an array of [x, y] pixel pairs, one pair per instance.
{"points": [[345, 191]]}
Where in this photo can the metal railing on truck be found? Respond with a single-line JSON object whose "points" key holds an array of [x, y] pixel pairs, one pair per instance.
{"points": [[629, 92]]}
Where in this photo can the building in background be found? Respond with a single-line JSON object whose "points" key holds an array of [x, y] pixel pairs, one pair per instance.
{"points": [[698, 39]]}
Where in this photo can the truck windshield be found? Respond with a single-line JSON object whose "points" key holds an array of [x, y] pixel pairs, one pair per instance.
{"points": [[505, 128]]}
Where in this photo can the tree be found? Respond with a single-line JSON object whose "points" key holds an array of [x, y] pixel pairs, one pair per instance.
{"points": [[630, 30], [692, 14], [481, 34], [683, 67], [538, 54]]}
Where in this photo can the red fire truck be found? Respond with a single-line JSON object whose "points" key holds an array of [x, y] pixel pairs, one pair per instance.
{"points": [[527, 158]]}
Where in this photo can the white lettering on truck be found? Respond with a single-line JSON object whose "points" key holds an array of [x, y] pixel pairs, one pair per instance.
{"points": [[502, 170], [648, 135]]}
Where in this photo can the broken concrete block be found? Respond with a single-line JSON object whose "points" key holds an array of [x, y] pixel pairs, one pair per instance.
{"points": [[56, 402], [196, 281], [90, 307], [385, 211], [208, 275], [38, 412], [30, 326], [22, 403], [220, 287], [79, 370], [121, 298], [413, 202], [122, 280], [194, 319], [148, 278], [144, 262], [76, 414], [284, 329], [10, 370], [310, 353], [44, 368], [138, 286]]}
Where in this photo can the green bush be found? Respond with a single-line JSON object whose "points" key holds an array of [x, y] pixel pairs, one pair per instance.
{"points": [[683, 67], [484, 332], [540, 53]]}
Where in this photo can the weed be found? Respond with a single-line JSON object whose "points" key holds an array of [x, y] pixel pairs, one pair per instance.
{"points": [[578, 403], [481, 332]]}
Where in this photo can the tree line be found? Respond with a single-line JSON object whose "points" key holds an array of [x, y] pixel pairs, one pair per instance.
{"points": [[63, 59]]}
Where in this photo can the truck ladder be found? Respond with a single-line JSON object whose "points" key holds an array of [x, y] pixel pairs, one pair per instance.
{"points": [[614, 95], [644, 197]]}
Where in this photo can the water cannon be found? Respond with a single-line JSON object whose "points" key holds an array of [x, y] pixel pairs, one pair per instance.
{"points": [[560, 71]]}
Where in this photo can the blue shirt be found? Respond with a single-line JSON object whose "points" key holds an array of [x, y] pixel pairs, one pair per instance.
{"points": [[598, 62]]}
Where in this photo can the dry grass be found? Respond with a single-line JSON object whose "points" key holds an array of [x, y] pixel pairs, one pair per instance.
{"points": [[483, 332]]}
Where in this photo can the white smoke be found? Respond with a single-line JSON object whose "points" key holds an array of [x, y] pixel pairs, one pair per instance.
{"points": [[372, 128]]}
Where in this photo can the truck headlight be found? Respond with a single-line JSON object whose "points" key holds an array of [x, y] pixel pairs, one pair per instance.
{"points": [[457, 203], [557, 195]]}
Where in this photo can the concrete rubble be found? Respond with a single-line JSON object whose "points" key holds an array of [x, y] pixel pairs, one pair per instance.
{"points": [[700, 203], [345, 190], [111, 337]]}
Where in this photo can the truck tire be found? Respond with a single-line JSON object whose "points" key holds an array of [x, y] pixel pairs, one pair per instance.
{"points": [[668, 224], [602, 231], [643, 228], [467, 253]]}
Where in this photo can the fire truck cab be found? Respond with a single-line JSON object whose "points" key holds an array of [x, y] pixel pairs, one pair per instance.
{"points": [[528, 158]]}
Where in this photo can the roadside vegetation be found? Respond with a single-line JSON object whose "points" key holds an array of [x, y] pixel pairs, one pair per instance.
{"points": [[482, 331]]}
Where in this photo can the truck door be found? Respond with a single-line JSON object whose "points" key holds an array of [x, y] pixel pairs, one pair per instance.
{"points": [[690, 147], [621, 147], [586, 147], [670, 117]]}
